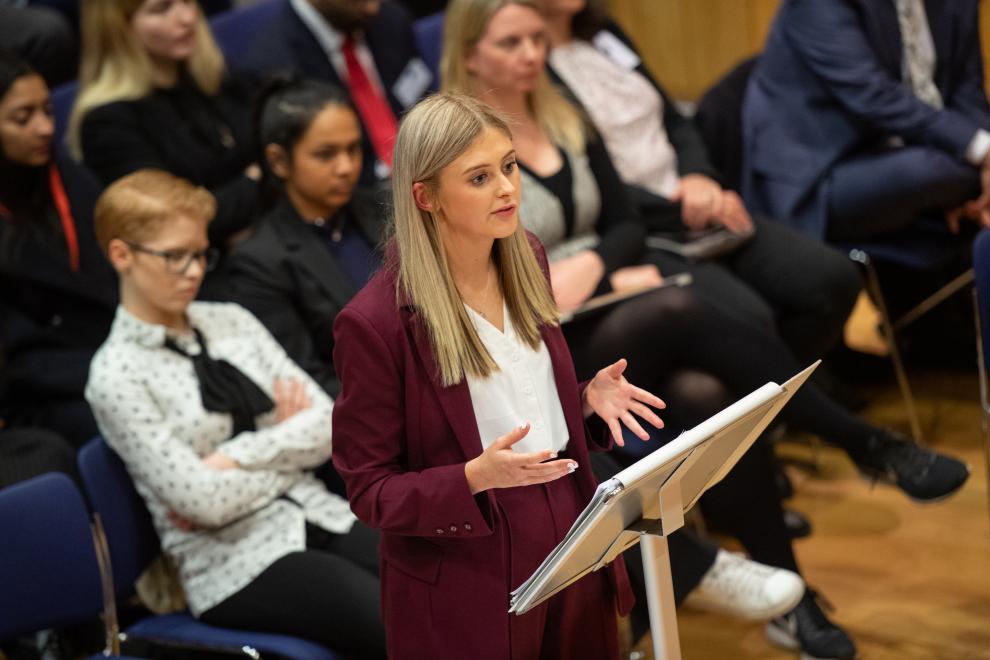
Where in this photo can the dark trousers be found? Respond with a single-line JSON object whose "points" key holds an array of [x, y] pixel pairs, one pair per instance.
{"points": [[780, 280], [328, 593], [877, 195]]}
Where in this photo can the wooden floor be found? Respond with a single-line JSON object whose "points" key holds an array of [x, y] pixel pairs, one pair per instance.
{"points": [[909, 581]]}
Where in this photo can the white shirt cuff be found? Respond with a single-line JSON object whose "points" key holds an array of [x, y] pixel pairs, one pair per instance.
{"points": [[978, 147]]}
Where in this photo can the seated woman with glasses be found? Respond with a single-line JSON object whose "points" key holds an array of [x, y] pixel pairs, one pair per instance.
{"points": [[57, 292], [259, 542]]}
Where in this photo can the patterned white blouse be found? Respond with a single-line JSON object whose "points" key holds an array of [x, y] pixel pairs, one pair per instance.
{"points": [[626, 110], [147, 403]]}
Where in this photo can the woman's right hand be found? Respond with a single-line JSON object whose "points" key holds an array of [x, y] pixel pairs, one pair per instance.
{"points": [[290, 398], [501, 467], [575, 279]]}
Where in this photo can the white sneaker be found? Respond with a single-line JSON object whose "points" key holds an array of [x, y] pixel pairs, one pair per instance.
{"points": [[743, 588]]}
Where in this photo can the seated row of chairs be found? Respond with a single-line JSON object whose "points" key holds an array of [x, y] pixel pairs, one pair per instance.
{"points": [[63, 566]]}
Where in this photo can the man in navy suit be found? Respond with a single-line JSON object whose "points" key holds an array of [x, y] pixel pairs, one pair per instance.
{"points": [[364, 46], [864, 115]]}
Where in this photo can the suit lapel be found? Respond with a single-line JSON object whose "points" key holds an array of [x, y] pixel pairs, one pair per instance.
{"points": [[379, 39], [455, 401], [311, 255], [309, 52], [883, 31], [941, 30]]}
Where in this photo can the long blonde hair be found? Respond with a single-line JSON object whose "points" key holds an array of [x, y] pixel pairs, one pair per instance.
{"points": [[465, 23], [116, 67], [434, 134]]}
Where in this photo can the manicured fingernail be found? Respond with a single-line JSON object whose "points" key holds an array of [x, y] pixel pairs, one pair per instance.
{"points": [[571, 467], [553, 454]]}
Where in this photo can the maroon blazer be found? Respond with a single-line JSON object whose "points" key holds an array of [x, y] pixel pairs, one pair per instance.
{"points": [[400, 442]]}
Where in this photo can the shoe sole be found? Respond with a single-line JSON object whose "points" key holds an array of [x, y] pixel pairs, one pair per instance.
{"points": [[874, 478], [786, 641]]}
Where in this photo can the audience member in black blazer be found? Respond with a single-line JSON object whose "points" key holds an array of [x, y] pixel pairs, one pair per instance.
{"points": [[308, 40], [778, 279], [57, 292], [317, 246], [154, 94]]}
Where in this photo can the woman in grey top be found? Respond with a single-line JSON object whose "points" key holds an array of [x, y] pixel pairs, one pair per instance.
{"points": [[219, 430]]}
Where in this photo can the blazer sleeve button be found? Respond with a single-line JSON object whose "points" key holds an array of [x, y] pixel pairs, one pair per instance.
{"points": [[467, 527], [439, 530], [453, 529]]}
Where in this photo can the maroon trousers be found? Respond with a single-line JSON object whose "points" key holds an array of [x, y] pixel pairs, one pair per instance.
{"points": [[579, 622]]}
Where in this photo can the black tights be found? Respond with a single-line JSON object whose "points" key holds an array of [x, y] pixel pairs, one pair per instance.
{"points": [[700, 359], [672, 330], [328, 593]]}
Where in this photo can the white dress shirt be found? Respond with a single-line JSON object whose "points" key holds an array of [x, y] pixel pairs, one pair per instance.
{"points": [[147, 403], [523, 390]]}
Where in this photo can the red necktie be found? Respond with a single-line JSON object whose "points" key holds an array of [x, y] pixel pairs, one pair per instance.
{"points": [[374, 109]]}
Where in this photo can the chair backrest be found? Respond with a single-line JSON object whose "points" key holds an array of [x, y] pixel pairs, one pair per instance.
{"points": [[719, 117], [63, 97], [131, 537], [49, 574], [429, 39], [981, 272], [234, 30]]}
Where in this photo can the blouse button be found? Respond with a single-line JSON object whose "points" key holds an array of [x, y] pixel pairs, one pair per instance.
{"points": [[515, 357], [439, 530]]}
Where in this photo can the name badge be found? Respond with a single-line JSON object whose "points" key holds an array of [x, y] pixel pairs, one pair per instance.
{"points": [[616, 51], [412, 82]]}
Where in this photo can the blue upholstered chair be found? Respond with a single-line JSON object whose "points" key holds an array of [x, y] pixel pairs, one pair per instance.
{"points": [[133, 543], [429, 39], [50, 574], [234, 30]]}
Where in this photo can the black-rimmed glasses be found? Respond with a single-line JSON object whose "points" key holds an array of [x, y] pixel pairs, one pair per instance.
{"points": [[179, 261]]}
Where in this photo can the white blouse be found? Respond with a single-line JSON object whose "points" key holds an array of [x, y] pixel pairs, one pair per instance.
{"points": [[522, 390], [627, 111], [147, 403]]}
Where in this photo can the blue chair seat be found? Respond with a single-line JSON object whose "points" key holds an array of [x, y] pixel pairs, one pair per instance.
{"points": [[183, 627]]}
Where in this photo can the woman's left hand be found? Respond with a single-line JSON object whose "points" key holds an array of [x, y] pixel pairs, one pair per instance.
{"points": [[610, 396]]}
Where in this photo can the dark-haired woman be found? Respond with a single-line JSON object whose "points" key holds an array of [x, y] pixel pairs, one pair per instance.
{"points": [[57, 293], [317, 245]]}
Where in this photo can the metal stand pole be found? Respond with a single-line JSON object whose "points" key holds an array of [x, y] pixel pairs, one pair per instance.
{"points": [[660, 597]]}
